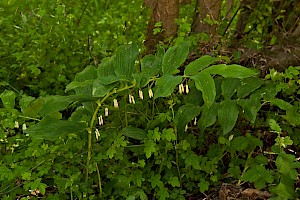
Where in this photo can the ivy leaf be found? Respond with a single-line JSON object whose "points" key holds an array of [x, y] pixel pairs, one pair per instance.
{"points": [[150, 147], [163, 194], [155, 181], [227, 114], [184, 115], [111, 152], [230, 71], [199, 64], [174, 182], [206, 84], [50, 129], [166, 85], [126, 56], [193, 160], [169, 134], [137, 177], [274, 126], [203, 185], [174, 57]]}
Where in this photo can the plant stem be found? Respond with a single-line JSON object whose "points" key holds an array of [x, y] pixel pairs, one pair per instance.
{"points": [[99, 180], [245, 168], [99, 103]]}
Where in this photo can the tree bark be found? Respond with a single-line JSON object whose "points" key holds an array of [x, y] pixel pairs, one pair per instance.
{"points": [[164, 11], [207, 11]]}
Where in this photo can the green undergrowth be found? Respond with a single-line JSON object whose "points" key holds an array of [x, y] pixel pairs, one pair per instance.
{"points": [[135, 128]]}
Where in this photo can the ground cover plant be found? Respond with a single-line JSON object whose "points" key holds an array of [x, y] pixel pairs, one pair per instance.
{"points": [[86, 114], [144, 130]]}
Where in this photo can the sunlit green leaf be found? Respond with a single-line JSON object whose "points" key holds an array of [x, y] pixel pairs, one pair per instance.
{"points": [[227, 114], [230, 71], [174, 57], [166, 85], [126, 56], [206, 84], [50, 128], [151, 65], [199, 64]]}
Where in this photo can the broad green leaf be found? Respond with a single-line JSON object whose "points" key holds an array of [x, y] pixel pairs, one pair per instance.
{"points": [[281, 104], [74, 84], [141, 80], [100, 90], [8, 99], [50, 129], [229, 87], [109, 79], [89, 73], [106, 67], [249, 85], [174, 57], [184, 115], [266, 92], [151, 65], [230, 71], [208, 116], [206, 84], [166, 85], [126, 56], [58, 103], [251, 107], [194, 96], [199, 64], [227, 114], [135, 133]]}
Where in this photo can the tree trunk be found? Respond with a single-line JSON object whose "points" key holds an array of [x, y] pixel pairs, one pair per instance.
{"points": [[164, 11], [207, 13]]}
